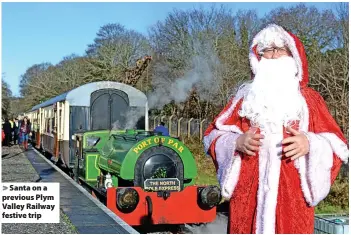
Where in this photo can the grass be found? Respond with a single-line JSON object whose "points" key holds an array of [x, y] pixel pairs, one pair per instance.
{"points": [[206, 171], [68, 222], [337, 201], [204, 179], [324, 208]]}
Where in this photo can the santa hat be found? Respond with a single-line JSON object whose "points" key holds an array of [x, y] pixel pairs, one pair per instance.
{"points": [[274, 34]]}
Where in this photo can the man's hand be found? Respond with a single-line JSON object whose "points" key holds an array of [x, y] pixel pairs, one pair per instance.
{"points": [[299, 144], [249, 142]]}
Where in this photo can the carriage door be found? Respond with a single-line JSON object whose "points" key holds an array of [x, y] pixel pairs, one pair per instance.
{"points": [[108, 109]]}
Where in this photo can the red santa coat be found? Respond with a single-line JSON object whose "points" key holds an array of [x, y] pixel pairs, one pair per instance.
{"points": [[269, 194]]}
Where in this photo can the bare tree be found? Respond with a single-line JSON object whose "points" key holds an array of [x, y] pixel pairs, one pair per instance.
{"points": [[114, 50], [316, 29], [177, 37], [330, 71], [190, 45], [5, 97]]}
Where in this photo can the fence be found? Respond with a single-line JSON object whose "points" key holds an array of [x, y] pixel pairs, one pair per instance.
{"points": [[181, 127]]}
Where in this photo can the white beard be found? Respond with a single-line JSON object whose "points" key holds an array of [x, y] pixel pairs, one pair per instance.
{"points": [[273, 98]]}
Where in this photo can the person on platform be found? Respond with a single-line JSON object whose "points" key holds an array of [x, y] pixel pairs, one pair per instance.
{"points": [[25, 132], [276, 147], [12, 128], [161, 128], [7, 130], [19, 131], [15, 131]]}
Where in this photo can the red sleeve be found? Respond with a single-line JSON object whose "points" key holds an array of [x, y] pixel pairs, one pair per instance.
{"points": [[321, 121]]}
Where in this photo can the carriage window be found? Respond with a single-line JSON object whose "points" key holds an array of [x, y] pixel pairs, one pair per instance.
{"points": [[52, 125], [59, 119], [113, 103], [47, 125]]}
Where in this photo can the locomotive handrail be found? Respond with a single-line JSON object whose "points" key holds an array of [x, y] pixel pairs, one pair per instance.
{"points": [[118, 136], [125, 138], [90, 150], [145, 132]]}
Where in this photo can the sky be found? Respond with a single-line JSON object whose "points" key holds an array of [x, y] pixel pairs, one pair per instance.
{"points": [[33, 33]]}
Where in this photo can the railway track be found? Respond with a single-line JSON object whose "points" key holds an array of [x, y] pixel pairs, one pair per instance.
{"points": [[219, 226]]}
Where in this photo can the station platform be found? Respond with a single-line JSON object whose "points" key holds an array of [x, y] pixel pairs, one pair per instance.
{"points": [[87, 214]]}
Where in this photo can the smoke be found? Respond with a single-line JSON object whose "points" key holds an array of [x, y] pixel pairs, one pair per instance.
{"points": [[219, 226], [116, 125], [132, 119], [202, 74]]}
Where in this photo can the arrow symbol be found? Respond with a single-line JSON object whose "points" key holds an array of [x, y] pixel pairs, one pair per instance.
{"points": [[4, 187]]}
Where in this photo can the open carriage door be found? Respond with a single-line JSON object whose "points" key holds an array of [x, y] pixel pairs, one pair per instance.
{"points": [[108, 109]]}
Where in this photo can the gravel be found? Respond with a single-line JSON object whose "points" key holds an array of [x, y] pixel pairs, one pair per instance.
{"points": [[17, 168]]}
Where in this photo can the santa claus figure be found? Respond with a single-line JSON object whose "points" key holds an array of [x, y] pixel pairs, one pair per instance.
{"points": [[276, 147]]}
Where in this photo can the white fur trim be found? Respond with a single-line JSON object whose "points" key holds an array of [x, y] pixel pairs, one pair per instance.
{"points": [[228, 163], [253, 61], [319, 162], [314, 168], [269, 174], [288, 40], [221, 119], [207, 141], [300, 163], [338, 146], [316, 171]]}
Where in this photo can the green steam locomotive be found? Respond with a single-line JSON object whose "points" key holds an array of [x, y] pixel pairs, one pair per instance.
{"points": [[144, 177]]}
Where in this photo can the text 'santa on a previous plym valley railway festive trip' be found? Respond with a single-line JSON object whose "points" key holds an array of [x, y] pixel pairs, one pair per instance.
{"points": [[30, 203]]}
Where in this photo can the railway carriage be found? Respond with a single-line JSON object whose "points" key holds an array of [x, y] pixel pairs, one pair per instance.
{"points": [[93, 106]]}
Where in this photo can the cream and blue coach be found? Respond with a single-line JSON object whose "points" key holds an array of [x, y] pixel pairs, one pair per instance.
{"points": [[93, 106]]}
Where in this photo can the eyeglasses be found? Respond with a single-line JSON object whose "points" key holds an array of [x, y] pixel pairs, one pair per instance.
{"points": [[271, 50]]}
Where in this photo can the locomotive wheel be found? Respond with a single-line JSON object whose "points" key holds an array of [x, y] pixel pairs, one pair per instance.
{"points": [[151, 152]]}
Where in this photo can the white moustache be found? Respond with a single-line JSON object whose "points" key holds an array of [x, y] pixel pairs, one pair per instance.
{"points": [[274, 95], [285, 65]]}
